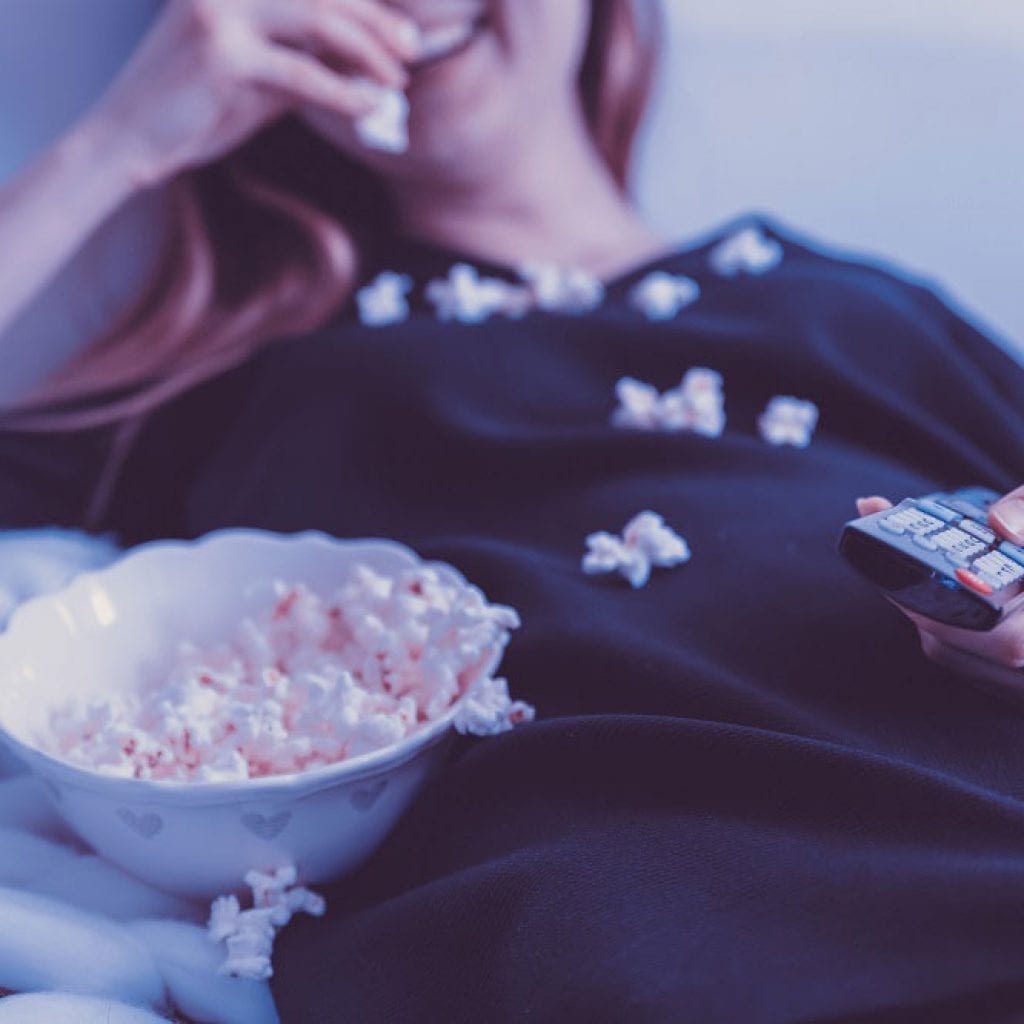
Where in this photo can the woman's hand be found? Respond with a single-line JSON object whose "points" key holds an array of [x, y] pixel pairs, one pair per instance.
{"points": [[211, 73], [996, 656]]}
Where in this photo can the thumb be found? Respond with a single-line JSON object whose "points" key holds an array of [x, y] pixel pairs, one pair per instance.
{"points": [[1007, 516]]}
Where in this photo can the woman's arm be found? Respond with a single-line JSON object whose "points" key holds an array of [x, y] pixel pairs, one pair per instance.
{"points": [[52, 208], [208, 76]]}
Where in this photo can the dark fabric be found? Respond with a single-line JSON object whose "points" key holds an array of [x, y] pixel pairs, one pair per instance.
{"points": [[749, 797]]}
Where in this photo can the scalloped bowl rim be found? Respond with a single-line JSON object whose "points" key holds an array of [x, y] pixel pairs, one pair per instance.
{"points": [[172, 790]]}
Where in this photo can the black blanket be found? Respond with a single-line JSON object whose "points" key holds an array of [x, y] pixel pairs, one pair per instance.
{"points": [[748, 797]]}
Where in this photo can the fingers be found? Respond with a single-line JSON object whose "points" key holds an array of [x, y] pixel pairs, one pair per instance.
{"points": [[397, 30], [1002, 647], [358, 35], [869, 506], [1007, 516], [359, 49], [1002, 681], [305, 79]]}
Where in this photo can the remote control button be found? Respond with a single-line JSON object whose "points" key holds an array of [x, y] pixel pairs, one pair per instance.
{"points": [[960, 547], [983, 533], [926, 541], [965, 508], [981, 496], [892, 525], [906, 518], [933, 508], [968, 579], [1012, 552], [998, 570]]}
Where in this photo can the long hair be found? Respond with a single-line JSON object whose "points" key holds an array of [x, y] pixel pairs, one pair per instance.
{"points": [[265, 246]]}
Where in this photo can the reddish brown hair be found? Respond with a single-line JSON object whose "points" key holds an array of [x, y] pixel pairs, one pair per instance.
{"points": [[266, 246]]}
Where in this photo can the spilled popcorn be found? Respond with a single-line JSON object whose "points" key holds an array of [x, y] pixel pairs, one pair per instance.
{"points": [[385, 300], [788, 421], [488, 710], [470, 299], [249, 934], [558, 289], [749, 251], [646, 542], [661, 296], [310, 682], [696, 404]]}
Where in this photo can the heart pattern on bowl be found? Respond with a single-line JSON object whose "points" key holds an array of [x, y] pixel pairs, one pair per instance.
{"points": [[267, 828], [365, 797], [145, 825]]}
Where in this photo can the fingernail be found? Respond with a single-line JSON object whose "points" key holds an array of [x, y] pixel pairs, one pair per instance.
{"points": [[408, 34], [1008, 517], [369, 93]]}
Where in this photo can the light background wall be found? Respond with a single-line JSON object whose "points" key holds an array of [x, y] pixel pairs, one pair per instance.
{"points": [[894, 128], [889, 127]]}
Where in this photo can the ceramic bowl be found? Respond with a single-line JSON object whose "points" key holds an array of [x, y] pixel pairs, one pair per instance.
{"points": [[109, 629]]}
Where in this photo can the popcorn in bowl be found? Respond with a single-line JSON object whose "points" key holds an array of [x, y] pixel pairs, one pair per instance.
{"points": [[308, 683], [96, 694]]}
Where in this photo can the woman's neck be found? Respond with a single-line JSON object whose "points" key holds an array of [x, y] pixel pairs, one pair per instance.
{"points": [[557, 203]]}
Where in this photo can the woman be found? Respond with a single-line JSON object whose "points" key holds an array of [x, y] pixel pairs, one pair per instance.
{"points": [[750, 797]]}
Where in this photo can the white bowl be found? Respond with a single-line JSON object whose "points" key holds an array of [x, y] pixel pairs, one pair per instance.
{"points": [[109, 629]]}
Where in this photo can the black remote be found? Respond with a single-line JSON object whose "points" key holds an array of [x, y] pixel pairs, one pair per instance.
{"points": [[938, 556]]}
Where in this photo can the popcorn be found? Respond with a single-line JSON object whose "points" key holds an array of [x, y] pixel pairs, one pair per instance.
{"points": [[660, 296], [249, 934], [308, 683], [250, 948], [488, 710], [789, 421], [224, 915], [556, 289], [639, 405], [646, 542], [470, 299], [696, 404], [386, 127], [748, 251], [384, 301]]}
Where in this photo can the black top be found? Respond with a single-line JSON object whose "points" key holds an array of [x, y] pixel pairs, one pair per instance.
{"points": [[748, 796]]}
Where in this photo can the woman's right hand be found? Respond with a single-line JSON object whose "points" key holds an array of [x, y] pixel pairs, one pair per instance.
{"points": [[212, 73]]}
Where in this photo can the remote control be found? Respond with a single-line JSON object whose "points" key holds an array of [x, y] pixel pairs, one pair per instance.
{"points": [[938, 556]]}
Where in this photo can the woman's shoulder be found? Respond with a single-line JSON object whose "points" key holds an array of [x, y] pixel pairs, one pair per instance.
{"points": [[758, 244], [760, 260]]}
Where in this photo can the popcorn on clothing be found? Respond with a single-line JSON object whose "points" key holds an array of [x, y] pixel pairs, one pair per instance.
{"points": [[789, 421], [639, 405], [696, 404], [661, 296], [470, 299], [646, 542], [385, 300], [558, 289], [748, 251]]}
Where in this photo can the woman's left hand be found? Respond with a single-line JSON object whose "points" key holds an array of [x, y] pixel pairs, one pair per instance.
{"points": [[996, 656]]}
